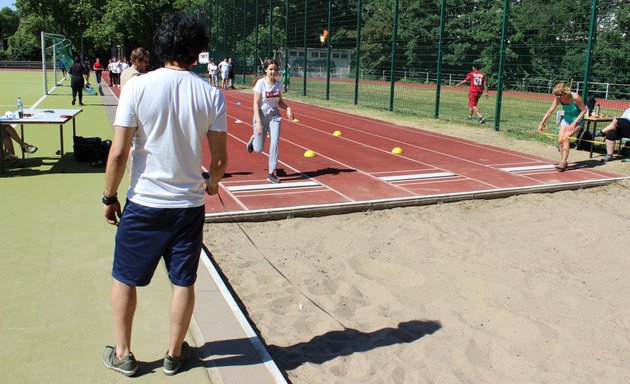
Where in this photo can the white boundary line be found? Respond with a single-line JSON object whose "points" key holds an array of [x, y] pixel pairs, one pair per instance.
{"points": [[419, 176], [528, 168], [259, 187], [253, 338]]}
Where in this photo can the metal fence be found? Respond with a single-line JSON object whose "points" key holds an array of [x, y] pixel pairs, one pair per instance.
{"points": [[406, 55]]}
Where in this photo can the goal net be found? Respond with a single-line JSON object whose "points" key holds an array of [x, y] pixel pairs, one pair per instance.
{"points": [[56, 59]]}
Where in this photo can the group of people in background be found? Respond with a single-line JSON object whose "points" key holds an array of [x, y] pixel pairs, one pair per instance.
{"points": [[225, 68], [120, 71], [116, 67]]}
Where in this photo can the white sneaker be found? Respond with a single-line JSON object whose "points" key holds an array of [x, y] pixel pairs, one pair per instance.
{"points": [[29, 148]]}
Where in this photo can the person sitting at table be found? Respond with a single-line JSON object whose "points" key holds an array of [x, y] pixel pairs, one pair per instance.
{"points": [[8, 133], [617, 129], [8, 152]]}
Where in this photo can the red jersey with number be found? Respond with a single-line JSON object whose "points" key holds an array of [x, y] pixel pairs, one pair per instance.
{"points": [[476, 80]]}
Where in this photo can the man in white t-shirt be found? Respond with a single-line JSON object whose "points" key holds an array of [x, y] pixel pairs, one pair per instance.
{"points": [[224, 67], [169, 114]]}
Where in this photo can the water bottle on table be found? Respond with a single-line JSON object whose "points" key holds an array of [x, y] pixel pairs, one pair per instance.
{"points": [[20, 107]]}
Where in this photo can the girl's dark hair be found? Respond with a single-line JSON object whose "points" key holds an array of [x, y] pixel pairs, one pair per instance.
{"points": [[180, 38], [268, 62], [77, 60]]}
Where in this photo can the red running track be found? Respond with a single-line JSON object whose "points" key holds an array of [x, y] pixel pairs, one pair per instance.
{"points": [[357, 171]]}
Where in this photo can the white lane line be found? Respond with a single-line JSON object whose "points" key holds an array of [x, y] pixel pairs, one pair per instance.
{"points": [[528, 168], [419, 176], [236, 311], [265, 187]]}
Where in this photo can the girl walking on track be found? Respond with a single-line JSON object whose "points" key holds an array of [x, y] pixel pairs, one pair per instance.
{"points": [[267, 99], [572, 120]]}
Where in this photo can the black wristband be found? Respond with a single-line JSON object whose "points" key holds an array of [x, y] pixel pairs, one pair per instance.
{"points": [[110, 200]]}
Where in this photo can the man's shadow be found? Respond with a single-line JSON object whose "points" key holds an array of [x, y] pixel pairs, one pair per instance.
{"points": [[331, 345], [318, 350]]}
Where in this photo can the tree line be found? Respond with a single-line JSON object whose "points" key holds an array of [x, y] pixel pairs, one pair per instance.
{"points": [[544, 39]]}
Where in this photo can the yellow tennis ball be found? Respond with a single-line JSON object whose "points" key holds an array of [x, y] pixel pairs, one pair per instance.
{"points": [[397, 151], [309, 153], [337, 133]]}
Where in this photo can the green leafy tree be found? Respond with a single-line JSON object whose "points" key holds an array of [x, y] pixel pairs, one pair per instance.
{"points": [[128, 23], [9, 22]]}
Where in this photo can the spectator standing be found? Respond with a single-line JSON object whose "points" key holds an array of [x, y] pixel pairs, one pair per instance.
{"points": [[213, 74], [116, 70], [88, 67], [286, 78], [110, 69], [224, 68], [98, 70], [169, 114], [231, 74], [62, 66], [139, 64], [78, 80]]}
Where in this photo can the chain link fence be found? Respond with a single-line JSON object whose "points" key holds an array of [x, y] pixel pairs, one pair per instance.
{"points": [[406, 56]]}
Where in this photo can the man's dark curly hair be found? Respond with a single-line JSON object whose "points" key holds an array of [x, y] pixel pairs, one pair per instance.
{"points": [[180, 38]]}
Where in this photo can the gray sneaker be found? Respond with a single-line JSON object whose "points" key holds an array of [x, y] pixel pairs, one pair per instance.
{"points": [[482, 120], [173, 364], [128, 365], [273, 178], [607, 158], [250, 145]]}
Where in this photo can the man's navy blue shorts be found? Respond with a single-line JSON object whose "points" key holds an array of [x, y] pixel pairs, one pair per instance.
{"points": [[147, 234]]}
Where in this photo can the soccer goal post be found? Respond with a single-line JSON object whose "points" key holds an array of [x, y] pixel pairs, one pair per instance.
{"points": [[56, 55]]}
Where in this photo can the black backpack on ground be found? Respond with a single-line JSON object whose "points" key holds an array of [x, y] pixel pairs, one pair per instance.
{"points": [[91, 150]]}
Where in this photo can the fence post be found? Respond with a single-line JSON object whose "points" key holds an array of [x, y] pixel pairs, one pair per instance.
{"points": [[256, 41], [438, 75], [305, 48], [497, 112], [358, 55], [270, 50], [286, 36], [328, 50], [589, 49], [392, 67], [244, 52], [233, 49]]}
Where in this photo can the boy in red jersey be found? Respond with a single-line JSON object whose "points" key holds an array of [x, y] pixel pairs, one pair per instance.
{"points": [[477, 80]]}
